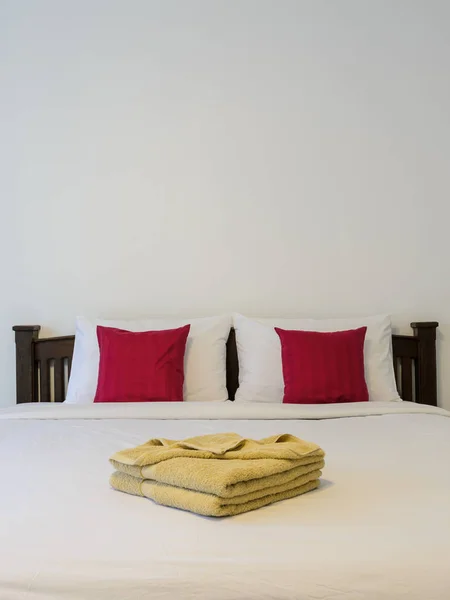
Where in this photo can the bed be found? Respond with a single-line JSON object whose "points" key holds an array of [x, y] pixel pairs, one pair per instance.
{"points": [[378, 528]]}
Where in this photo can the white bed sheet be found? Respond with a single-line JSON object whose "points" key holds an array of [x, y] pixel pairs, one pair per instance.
{"points": [[377, 529]]}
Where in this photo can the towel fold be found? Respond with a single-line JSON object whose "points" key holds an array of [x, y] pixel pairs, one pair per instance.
{"points": [[215, 445], [222, 464], [225, 479], [208, 504], [219, 474]]}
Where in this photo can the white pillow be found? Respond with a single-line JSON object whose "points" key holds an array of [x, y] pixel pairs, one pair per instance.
{"points": [[260, 363], [204, 362]]}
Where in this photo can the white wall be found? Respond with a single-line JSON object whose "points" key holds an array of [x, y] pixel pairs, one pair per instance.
{"points": [[199, 156]]}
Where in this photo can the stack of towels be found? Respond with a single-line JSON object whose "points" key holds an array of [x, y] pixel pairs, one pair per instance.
{"points": [[220, 474]]}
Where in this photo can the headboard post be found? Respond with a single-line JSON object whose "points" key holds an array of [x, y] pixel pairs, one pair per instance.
{"points": [[426, 375], [25, 337]]}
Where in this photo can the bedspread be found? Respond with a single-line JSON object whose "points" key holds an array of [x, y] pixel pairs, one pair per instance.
{"points": [[378, 528]]}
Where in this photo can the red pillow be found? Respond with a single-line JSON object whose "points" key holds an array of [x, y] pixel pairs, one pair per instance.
{"points": [[320, 368], [146, 366]]}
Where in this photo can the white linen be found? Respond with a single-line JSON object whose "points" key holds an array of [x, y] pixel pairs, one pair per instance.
{"points": [[260, 363], [377, 529], [204, 362], [212, 410]]}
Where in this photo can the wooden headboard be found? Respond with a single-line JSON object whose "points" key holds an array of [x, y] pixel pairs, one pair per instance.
{"points": [[43, 364]]}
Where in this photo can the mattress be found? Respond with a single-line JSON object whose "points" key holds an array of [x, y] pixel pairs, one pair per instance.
{"points": [[378, 528]]}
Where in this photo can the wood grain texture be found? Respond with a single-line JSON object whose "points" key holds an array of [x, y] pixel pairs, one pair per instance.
{"points": [[232, 365], [58, 374], [407, 378], [426, 372], [26, 336]]}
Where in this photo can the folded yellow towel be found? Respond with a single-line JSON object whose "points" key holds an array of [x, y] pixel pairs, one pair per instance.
{"points": [[225, 465], [209, 504]]}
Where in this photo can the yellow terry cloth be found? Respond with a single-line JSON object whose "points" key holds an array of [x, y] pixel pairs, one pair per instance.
{"points": [[208, 504], [225, 465]]}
